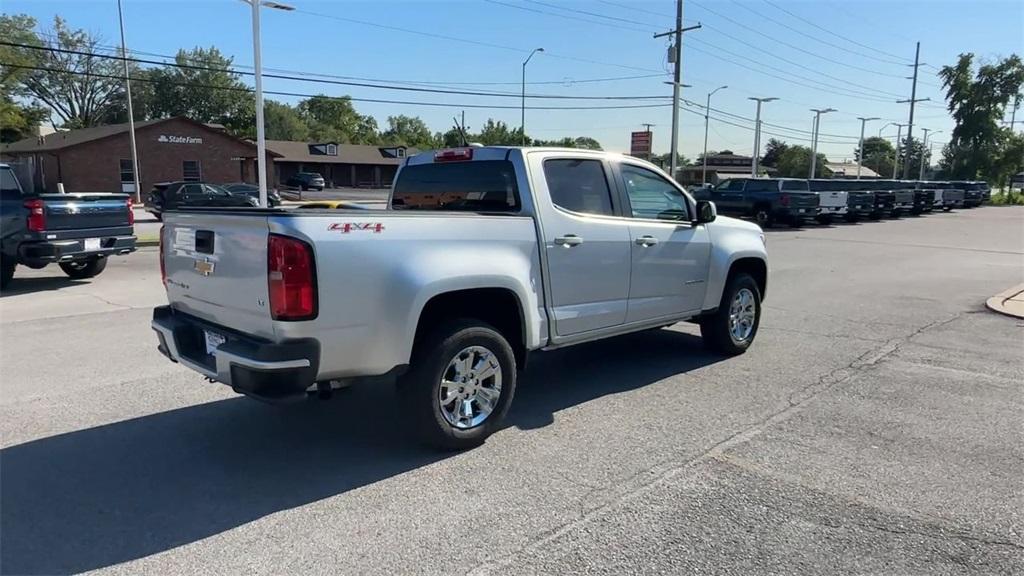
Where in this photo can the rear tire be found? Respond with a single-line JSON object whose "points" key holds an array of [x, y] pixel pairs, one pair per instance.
{"points": [[82, 269], [6, 271], [764, 217], [733, 327], [480, 391]]}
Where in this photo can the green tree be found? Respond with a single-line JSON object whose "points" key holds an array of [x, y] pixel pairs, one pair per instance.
{"points": [[203, 87], [795, 162], [664, 160], [497, 133], [977, 99], [283, 122], [584, 142], [58, 81], [409, 131], [917, 155], [18, 119], [772, 151], [336, 120], [878, 155]]}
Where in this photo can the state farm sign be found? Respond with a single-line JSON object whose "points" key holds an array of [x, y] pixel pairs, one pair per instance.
{"points": [[170, 139]]}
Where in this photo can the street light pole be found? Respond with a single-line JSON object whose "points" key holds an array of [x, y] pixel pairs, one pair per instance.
{"points": [[814, 137], [261, 138], [131, 113], [522, 121], [707, 111], [896, 159], [757, 133], [860, 147], [924, 146]]}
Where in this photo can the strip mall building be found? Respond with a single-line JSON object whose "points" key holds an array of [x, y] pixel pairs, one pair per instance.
{"points": [[98, 159]]}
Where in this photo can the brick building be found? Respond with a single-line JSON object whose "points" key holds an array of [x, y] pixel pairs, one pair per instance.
{"points": [[98, 159]]}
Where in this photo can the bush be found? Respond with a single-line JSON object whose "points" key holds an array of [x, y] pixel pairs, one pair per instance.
{"points": [[1010, 198]]}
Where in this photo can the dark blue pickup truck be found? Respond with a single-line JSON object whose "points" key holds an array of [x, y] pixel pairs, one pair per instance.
{"points": [[766, 200], [75, 231]]}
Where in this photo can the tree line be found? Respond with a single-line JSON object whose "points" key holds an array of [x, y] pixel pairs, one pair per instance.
{"points": [[63, 76]]}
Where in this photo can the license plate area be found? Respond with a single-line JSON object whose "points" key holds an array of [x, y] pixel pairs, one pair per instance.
{"points": [[91, 244], [212, 341]]}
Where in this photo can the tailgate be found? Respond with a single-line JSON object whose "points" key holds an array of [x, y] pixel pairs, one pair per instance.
{"points": [[216, 267], [803, 199], [84, 211], [832, 199]]}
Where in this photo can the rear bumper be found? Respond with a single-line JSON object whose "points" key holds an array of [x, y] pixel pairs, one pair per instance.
{"points": [[269, 371], [67, 250], [796, 212], [833, 210]]}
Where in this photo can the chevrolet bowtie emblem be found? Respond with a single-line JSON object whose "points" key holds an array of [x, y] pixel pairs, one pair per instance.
{"points": [[204, 267]]}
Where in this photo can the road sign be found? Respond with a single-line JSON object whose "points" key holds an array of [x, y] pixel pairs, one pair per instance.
{"points": [[640, 144]]}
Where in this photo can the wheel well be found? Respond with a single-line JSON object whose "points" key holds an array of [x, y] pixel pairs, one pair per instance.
{"points": [[756, 268], [498, 307]]}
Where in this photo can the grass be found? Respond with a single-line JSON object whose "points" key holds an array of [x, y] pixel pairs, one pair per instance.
{"points": [[1010, 198]]}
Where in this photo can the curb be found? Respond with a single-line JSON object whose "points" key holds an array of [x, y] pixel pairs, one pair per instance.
{"points": [[1007, 302]]}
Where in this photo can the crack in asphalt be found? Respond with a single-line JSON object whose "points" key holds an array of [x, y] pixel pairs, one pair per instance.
{"points": [[665, 471]]}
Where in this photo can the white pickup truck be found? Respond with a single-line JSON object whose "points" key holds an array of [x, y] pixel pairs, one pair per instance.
{"points": [[483, 256]]}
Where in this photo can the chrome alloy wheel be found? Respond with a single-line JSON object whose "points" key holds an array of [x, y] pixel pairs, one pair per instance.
{"points": [[742, 313], [470, 387]]}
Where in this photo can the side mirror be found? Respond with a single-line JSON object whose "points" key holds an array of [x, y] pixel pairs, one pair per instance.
{"points": [[706, 211]]}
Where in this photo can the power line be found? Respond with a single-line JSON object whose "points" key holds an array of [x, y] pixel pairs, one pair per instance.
{"points": [[637, 9], [335, 82], [588, 13], [567, 17], [787, 44], [350, 98], [468, 41], [833, 33], [816, 39]]}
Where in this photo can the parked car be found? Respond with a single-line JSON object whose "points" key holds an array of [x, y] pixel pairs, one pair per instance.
{"points": [[833, 202], [947, 196], [174, 195], [77, 231], [902, 196], [334, 205], [307, 181], [924, 198], [253, 191], [766, 200], [974, 192], [486, 255]]}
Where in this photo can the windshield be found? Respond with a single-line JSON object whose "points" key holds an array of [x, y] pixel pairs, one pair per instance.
{"points": [[482, 186]]}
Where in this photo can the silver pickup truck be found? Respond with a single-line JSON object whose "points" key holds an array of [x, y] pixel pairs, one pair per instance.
{"points": [[483, 256]]}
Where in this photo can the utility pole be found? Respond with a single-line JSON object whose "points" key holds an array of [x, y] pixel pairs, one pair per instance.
{"points": [[910, 123], [925, 145], [860, 147], [707, 112], [814, 137], [676, 83], [757, 133], [131, 113]]}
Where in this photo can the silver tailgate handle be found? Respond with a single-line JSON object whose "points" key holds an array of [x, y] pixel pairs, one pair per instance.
{"points": [[569, 240], [646, 241]]}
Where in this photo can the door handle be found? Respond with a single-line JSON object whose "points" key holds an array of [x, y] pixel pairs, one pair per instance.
{"points": [[646, 241], [569, 240]]}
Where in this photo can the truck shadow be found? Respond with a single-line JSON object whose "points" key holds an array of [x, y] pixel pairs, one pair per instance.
{"points": [[102, 496], [38, 284]]}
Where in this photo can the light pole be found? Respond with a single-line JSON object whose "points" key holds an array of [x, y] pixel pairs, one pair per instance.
{"points": [[860, 147], [896, 158], [707, 111], [757, 132], [136, 179], [522, 122], [924, 146], [814, 137], [261, 137]]}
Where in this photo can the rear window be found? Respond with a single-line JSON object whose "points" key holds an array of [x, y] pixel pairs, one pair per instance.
{"points": [[796, 185], [481, 186], [8, 183]]}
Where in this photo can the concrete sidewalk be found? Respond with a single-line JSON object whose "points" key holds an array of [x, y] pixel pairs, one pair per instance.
{"points": [[1010, 302]]}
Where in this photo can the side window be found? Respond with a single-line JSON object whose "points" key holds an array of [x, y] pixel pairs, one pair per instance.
{"points": [[653, 197], [191, 190], [731, 186], [762, 185], [797, 185], [578, 185]]}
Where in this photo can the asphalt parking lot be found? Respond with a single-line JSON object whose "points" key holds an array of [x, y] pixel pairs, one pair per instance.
{"points": [[875, 427]]}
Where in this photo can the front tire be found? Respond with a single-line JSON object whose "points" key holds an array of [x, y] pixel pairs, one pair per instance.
{"points": [[764, 217], [82, 269], [733, 327], [460, 385]]}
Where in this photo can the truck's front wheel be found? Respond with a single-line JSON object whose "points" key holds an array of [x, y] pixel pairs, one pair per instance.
{"points": [[460, 385], [81, 269], [732, 328]]}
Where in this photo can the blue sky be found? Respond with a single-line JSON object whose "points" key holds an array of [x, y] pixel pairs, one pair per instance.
{"points": [[844, 55]]}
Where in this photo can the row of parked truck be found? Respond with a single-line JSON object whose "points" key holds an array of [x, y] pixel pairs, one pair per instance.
{"points": [[795, 201]]}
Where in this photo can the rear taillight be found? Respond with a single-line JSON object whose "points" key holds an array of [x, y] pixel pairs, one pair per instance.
{"points": [[163, 267], [36, 215], [131, 211], [784, 200], [291, 278]]}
